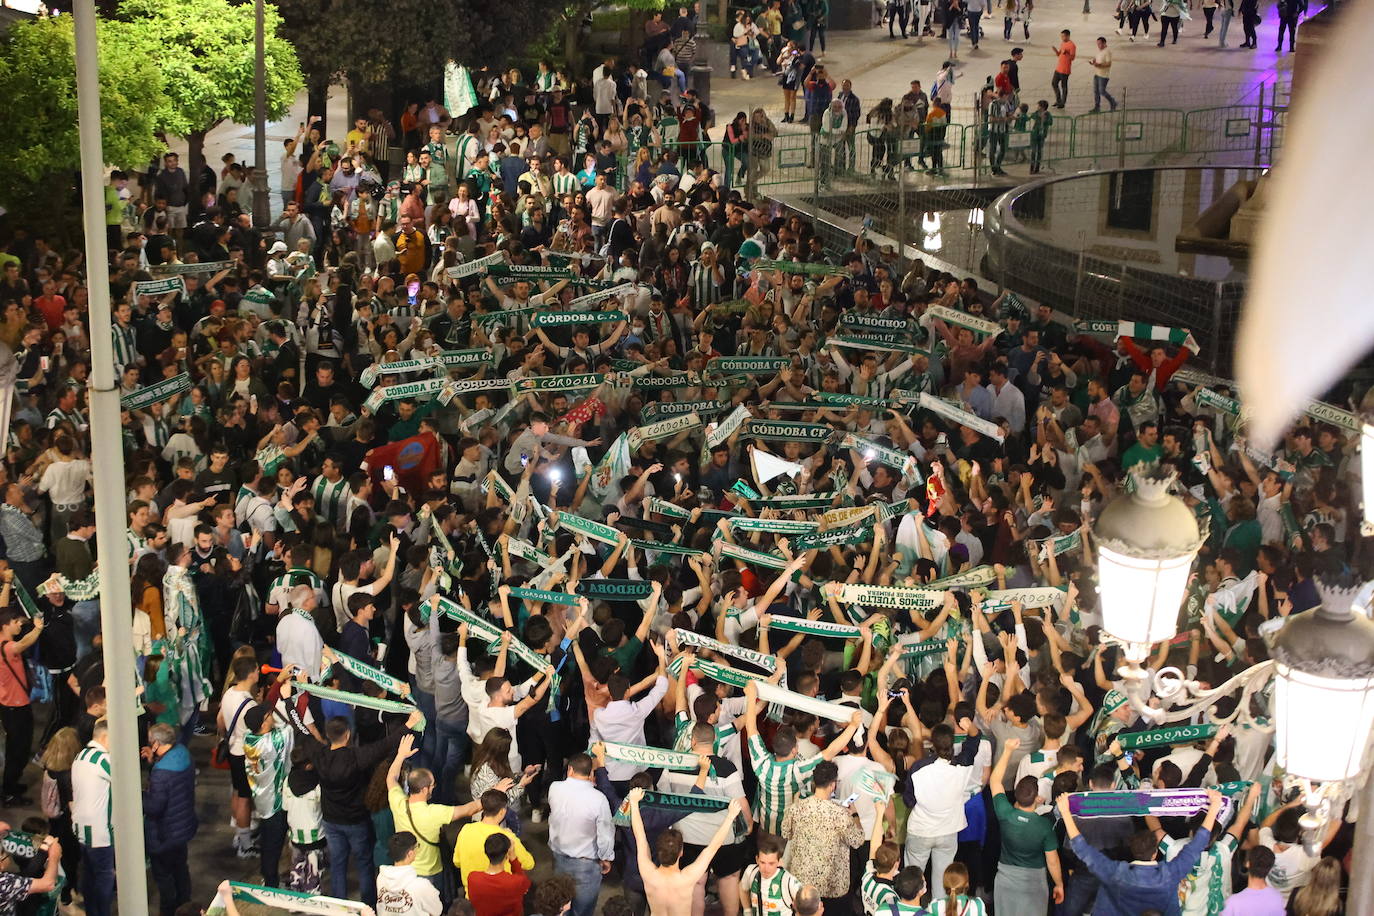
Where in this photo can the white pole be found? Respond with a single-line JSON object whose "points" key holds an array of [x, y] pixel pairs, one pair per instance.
{"points": [[107, 460]]}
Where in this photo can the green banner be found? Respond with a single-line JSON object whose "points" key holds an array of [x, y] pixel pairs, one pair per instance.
{"points": [[26, 602], [563, 319], [615, 589], [788, 431], [274, 898], [154, 394], [1163, 737]]}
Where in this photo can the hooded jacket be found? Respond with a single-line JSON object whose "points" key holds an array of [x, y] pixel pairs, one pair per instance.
{"points": [[169, 804]]}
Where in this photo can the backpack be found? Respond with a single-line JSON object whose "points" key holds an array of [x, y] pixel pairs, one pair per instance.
{"points": [[49, 798]]}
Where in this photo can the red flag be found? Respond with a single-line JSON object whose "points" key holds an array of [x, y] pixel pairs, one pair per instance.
{"points": [[412, 459]]}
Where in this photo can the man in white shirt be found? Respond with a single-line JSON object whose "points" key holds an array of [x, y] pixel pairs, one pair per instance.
{"points": [[934, 793], [64, 480], [622, 720], [1102, 71], [298, 639], [581, 833], [91, 785]]}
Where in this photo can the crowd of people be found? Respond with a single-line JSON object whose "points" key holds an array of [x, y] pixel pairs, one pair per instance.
{"points": [[754, 562]]}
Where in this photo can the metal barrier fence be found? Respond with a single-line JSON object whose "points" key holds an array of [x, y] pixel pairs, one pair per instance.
{"points": [[1248, 133]]}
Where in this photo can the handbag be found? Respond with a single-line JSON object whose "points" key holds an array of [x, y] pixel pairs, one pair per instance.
{"points": [[219, 754]]}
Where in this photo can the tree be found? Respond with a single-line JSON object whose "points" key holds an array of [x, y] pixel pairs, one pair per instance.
{"points": [[578, 12], [408, 42], [205, 50], [42, 152]]}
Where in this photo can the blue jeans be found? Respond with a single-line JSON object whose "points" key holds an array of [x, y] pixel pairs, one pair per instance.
{"points": [[353, 841], [450, 747], [98, 879], [1100, 92], [587, 874], [1226, 16], [86, 617], [1080, 892], [425, 702]]}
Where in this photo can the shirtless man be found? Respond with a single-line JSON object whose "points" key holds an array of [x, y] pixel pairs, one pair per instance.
{"points": [[667, 887]]}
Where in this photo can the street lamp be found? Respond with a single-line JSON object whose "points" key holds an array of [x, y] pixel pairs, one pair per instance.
{"points": [[1146, 542], [1324, 687]]}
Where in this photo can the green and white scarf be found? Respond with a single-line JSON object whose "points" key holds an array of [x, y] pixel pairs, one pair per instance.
{"points": [[1164, 737], [719, 432], [1057, 546], [562, 319], [597, 531], [962, 319], [695, 804], [826, 628], [892, 596], [649, 757], [572, 382], [615, 589], [154, 394], [902, 461], [835, 712], [293, 901], [784, 526], [752, 557], [761, 365], [1140, 331], [851, 534], [1044, 596], [957, 414], [660, 409], [622, 289], [971, 578], [788, 431], [361, 700], [478, 266], [368, 673], [768, 663], [663, 507], [662, 429], [538, 594], [800, 267]]}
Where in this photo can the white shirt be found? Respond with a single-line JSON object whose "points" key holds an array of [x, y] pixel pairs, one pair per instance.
{"points": [[1292, 867], [851, 768], [622, 722], [1102, 63], [233, 705], [299, 642], [580, 821], [401, 892], [939, 808], [65, 481]]}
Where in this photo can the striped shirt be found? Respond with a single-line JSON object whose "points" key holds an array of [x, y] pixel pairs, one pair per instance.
{"points": [[125, 346], [705, 290], [91, 800], [779, 780], [279, 592], [267, 759], [57, 415], [329, 498], [960, 905], [303, 817], [565, 183], [877, 893], [134, 542]]}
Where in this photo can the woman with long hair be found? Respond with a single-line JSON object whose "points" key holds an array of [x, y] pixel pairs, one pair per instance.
{"points": [[491, 769], [187, 646], [145, 591], [882, 122], [762, 133], [790, 78], [737, 140], [1321, 896], [56, 762]]}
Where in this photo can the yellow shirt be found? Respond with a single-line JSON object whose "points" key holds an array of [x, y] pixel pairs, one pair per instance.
{"points": [[469, 855], [424, 819]]}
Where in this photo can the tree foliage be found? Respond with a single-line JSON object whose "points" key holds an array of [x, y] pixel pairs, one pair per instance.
{"points": [[205, 50], [38, 75], [408, 42]]}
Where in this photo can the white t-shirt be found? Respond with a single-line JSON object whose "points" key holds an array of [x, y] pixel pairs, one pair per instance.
{"points": [[1292, 866], [299, 642], [231, 702], [850, 781]]}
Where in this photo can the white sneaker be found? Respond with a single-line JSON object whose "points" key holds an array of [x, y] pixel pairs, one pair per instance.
{"points": [[745, 74], [536, 816]]}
